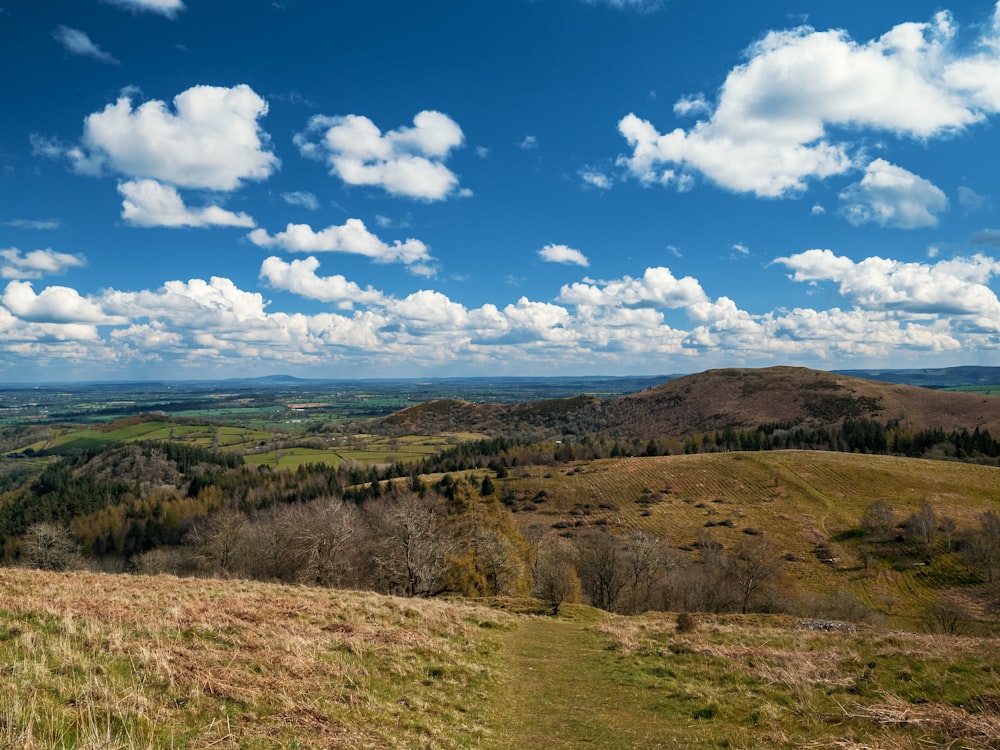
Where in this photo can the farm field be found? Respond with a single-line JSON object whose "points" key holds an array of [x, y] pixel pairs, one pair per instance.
{"points": [[357, 449], [270, 403], [278, 450], [103, 661]]}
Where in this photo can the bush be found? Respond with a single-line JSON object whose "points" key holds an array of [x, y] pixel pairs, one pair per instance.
{"points": [[686, 623]]}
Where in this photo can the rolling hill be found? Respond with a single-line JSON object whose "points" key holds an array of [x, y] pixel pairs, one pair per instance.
{"points": [[716, 400]]}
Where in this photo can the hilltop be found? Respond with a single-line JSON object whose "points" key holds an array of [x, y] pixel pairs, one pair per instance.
{"points": [[716, 400]]}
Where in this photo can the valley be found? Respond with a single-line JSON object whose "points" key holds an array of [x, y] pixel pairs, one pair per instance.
{"points": [[777, 557]]}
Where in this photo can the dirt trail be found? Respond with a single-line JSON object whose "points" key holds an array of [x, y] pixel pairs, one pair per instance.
{"points": [[562, 690]]}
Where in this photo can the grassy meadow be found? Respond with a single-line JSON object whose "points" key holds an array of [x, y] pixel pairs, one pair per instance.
{"points": [[808, 503], [98, 661]]}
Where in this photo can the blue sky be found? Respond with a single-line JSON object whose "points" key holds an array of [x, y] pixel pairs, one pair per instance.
{"points": [[388, 188]]}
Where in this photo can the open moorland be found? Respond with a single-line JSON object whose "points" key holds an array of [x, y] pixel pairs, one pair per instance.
{"points": [[740, 558], [99, 661]]}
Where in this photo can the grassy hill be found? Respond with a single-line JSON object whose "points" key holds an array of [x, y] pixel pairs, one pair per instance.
{"points": [[808, 503], [715, 400], [97, 661]]}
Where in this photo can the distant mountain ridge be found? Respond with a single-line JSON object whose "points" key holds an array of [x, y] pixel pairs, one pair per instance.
{"points": [[940, 377], [741, 399]]}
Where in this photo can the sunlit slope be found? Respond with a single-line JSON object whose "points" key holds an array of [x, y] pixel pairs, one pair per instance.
{"points": [[741, 399], [806, 502]]}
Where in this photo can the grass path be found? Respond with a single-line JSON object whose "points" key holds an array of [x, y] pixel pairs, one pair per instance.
{"points": [[562, 689]]}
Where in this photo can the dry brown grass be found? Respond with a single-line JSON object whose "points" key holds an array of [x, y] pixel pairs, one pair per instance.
{"points": [[802, 500], [867, 688], [117, 661]]}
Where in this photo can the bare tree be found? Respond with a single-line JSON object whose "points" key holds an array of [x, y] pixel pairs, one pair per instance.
{"points": [[646, 560], [945, 616], [713, 580], [921, 527], [754, 565], [412, 546], [983, 546], [556, 581], [601, 567], [503, 563], [328, 534], [221, 541], [50, 547], [878, 518]]}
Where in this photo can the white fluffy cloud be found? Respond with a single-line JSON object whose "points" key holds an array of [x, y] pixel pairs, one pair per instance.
{"points": [[949, 287], [215, 304], [78, 43], [658, 287], [210, 140], [147, 203], [168, 8], [775, 123], [890, 196], [54, 304], [352, 237], [563, 254], [897, 308], [408, 161], [37, 263], [300, 277]]}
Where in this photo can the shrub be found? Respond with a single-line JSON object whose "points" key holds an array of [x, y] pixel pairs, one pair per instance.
{"points": [[686, 623]]}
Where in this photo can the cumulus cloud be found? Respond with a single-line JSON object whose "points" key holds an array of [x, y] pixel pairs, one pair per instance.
{"points": [[658, 287], [214, 304], [897, 308], [54, 304], [300, 277], [168, 8], [352, 237], [948, 287], [78, 43], [147, 203], [37, 263], [210, 140], [776, 122], [890, 196], [530, 142], [408, 161], [563, 254]]}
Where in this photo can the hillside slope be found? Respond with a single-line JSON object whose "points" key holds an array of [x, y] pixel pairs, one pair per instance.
{"points": [[98, 662], [746, 398], [715, 400], [807, 503]]}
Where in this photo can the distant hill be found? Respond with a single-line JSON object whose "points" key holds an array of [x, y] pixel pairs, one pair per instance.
{"points": [[943, 377], [715, 400]]}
